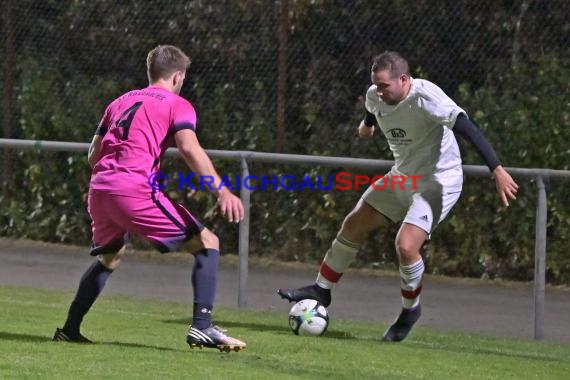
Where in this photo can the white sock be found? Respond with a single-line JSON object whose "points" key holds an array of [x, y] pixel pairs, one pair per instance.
{"points": [[411, 283]]}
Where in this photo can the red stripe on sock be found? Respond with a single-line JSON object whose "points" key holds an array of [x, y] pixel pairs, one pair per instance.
{"points": [[411, 294], [329, 274]]}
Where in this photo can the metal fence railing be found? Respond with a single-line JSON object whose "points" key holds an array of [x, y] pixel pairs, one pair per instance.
{"points": [[541, 176]]}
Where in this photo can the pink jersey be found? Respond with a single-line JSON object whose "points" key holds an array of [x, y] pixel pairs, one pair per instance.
{"points": [[136, 129]]}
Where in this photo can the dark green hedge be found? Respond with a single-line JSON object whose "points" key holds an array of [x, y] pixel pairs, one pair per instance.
{"points": [[76, 56]]}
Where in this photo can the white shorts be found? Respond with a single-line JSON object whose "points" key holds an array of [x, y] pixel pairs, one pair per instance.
{"points": [[423, 203]]}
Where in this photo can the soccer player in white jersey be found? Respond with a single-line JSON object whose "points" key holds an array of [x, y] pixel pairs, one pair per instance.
{"points": [[417, 118]]}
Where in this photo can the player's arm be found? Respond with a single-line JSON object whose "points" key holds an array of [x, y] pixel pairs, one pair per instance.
{"points": [[366, 127], [94, 150], [95, 147], [197, 159], [505, 184]]}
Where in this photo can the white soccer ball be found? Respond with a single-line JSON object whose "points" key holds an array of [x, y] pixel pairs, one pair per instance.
{"points": [[308, 317]]}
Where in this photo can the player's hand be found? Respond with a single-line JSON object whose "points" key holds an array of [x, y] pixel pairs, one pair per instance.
{"points": [[506, 185], [364, 131], [231, 206]]}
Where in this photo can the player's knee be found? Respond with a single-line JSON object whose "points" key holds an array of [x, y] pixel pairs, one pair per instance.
{"points": [[111, 260], [362, 220], [357, 225], [406, 249], [403, 248], [351, 230], [209, 239]]}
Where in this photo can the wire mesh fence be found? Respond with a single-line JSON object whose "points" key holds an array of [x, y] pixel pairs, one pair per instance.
{"points": [[316, 53], [289, 76]]}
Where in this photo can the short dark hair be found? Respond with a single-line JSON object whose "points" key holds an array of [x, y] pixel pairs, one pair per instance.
{"points": [[392, 61], [164, 60]]}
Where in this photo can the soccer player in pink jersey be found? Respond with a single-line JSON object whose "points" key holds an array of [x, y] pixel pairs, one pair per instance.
{"points": [[135, 131]]}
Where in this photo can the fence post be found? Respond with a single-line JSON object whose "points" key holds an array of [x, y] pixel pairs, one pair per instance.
{"points": [[540, 260], [243, 248]]}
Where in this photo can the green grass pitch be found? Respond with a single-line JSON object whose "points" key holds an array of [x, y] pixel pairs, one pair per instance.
{"points": [[141, 339]]}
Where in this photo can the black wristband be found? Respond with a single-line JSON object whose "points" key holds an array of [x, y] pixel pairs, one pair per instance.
{"points": [[370, 119]]}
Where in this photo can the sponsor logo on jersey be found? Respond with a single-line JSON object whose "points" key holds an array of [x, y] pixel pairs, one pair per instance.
{"points": [[397, 133], [397, 136]]}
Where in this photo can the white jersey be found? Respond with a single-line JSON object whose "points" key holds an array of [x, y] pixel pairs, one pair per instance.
{"points": [[418, 130]]}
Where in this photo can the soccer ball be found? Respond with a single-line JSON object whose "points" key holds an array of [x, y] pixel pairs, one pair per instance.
{"points": [[308, 317]]}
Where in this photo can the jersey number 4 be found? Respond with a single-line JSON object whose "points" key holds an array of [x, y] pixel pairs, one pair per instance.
{"points": [[127, 118]]}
